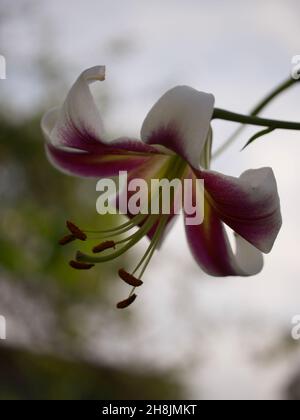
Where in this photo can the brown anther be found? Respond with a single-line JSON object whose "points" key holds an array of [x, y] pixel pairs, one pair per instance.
{"points": [[125, 303], [103, 246], [80, 265], [129, 278], [76, 231], [66, 239]]}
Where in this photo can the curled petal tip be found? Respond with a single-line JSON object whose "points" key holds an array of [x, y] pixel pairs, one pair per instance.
{"points": [[102, 73], [94, 73]]}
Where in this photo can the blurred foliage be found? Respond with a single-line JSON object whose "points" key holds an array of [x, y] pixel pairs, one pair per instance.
{"points": [[38, 290], [292, 390], [25, 375], [35, 202]]}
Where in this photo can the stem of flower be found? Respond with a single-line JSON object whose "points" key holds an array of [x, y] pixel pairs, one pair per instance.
{"points": [[255, 111], [279, 89], [248, 119]]}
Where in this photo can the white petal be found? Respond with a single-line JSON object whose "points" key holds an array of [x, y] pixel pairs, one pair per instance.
{"points": [[78, 119], [248, 258], [180, 121]]}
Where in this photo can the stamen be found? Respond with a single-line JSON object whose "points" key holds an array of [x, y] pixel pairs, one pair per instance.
{"points": [[151, 248], [125, 303], [146, 227], [76, 231], [66, 239], [129, 278], [135, 221], [80, 265], [144, 222], [103, 246]]}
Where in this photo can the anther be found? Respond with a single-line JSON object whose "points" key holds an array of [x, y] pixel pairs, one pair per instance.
{"points": [[80, 265], [76, 231], [125, 303], [129, 278], [66, 239], [103, 246]]}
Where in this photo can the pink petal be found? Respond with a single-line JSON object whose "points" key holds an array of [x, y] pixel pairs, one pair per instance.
{"points": [[249, 204], [180, 121], [211, 249], [107, 163]]}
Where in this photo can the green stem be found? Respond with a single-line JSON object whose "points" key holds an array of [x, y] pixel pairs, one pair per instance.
{"points": [[281, 88], [255, 111], [252, 120]]}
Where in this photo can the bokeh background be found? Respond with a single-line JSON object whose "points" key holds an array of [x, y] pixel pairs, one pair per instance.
{"points": [[188, 335]]}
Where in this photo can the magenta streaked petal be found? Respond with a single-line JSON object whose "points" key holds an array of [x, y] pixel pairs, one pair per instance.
{"points": [[87, 164], [211, 249], [75, 139], [77, 123], [249, 204], [180, 121]]}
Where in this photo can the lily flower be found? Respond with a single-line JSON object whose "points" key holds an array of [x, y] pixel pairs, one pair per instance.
{"points": [[175, 143]]}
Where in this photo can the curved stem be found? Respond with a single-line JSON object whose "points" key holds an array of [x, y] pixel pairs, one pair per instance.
{"points": [[252, 120], [255, 111], [281, 88]]}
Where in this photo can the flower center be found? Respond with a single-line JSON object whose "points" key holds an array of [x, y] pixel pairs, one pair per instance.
{"points": [[113, 245]]}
